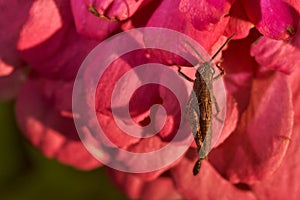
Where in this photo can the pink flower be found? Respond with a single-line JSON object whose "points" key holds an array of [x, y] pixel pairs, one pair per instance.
{"points": [[12, 72], [257, 149], [9, 59], [44, 114], [47, 41], [253, 148]]}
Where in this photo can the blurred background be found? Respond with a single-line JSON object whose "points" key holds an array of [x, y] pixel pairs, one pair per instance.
{"points": [[26, 174]]}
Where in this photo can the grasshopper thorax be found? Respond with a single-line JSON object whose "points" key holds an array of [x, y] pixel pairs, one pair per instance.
{"points": [[205, 71]]}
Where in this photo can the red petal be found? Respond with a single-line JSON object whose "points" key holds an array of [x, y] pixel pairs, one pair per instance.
{"points": [[136, 187], [89, 25], [257, 147], [238, 22], [102, 102], [150, 145], [138, 104], [130, 184], [285, 180], [275, 19], [60, 55], [11, 84], [75, 154], [9, 35], [208, 184], [5, 69], [63, 65], [279, 55], [231, 119], [240, 68], [47, 128], [160, 189], [204, 13], [43, 21], [167, 13], [116, 9]]}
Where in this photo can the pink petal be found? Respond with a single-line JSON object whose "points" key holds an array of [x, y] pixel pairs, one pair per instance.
{"points": [[275, 19], [294, 80], [130, 184], [170, 8], [240, 68], [135, 187], [256, 149], [11, 84], [202, 14], [5, 69], [114, 133], [10, 30], [207, 185], [48, 128], [139, 104], [102, 102], [148, 95], [231, 119], [279, 55], [63, 65], [43, 21], [238, 22], [285, 180], [149, 145], [89, 25], [60, 54], [160, 189], [116, 9], [83, 159]]}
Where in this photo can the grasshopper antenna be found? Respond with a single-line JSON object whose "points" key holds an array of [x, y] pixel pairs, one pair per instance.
{"points": [[197, 53], [223, 45]]}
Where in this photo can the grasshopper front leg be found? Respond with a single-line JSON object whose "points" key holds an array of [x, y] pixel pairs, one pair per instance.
{"points": [[184, 75]]}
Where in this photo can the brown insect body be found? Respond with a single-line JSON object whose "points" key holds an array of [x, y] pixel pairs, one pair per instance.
{"points": [[203, 90], [201, 105]]}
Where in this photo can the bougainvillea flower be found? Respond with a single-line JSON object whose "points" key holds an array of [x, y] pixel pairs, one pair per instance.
{"points": [[205, 37], [254, 148], [262, 148], [239, 22], [12, 72], [90, 25], [5, 69], [52, 48], [11, 84], [43, 45], [205, 13], [285, 180], [44, 114], [107, 16], [284, 56], [275, 19], [256, 152], [9, 58]]}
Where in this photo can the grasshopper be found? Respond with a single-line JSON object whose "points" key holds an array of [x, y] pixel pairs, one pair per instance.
{"points": [[201, 115]]}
